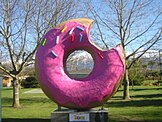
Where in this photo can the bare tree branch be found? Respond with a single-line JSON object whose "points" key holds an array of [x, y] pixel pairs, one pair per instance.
{"points": [[156, 37], [6, 71], [144, 30], [30, 55], [7, 21], [152, 40], [101, 35]]}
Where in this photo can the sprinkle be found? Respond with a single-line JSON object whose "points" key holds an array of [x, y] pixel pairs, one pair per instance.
{"points": [[44, 41], [54, 53], [72, 37], [101, 56], [80, 28], [57, 39], [64, 29], [71, 31], [81, 37]]}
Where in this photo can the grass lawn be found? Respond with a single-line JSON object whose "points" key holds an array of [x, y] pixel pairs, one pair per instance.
{"points": [[145, 105]]}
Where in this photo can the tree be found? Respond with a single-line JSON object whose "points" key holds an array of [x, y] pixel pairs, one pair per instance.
{"points": [[30, 82], [22, 24], [135, 24], [144, 69], [160, 63], [136, 75], [151, 64]]}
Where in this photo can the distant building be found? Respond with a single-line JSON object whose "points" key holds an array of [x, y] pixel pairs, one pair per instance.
{"points": [[6, 80]]}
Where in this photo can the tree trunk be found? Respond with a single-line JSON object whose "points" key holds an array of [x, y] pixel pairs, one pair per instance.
{"points": [[126, 86], [15, 102], [132, 85]]}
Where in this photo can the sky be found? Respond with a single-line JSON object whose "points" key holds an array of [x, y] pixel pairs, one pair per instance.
{"points": [[102, 9], [104, 12]]}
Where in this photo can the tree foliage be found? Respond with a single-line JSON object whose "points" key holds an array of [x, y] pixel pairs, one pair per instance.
{"points": [[30, 82], [136, 75]]}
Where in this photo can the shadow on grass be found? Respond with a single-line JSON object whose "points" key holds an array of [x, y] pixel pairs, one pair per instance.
{"points": [[25, 120], [140, 96], [135, 103], [27, 100], [6, 101], [143, 89], [148, 96], [35, 100], [6, 88]]}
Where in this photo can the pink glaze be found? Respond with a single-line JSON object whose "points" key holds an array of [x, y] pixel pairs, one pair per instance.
{"points": [[84, 93]]}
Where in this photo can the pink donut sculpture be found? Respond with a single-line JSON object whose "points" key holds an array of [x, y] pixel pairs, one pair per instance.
{"points": [[91, 91]]}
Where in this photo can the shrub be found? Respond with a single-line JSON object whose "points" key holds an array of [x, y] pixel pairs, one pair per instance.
{"points": [[160, 82], [30, 82], [138, 80], [136, 76]]}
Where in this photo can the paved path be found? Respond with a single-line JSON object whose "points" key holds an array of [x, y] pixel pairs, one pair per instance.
{"points": [[33, 91]]}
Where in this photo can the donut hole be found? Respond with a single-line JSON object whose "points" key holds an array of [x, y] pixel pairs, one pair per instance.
{"points": [[79, 64]]}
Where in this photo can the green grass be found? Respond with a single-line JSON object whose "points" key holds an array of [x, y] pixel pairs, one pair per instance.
{"points": [[33, 106], [149, 82], [145, 105]]}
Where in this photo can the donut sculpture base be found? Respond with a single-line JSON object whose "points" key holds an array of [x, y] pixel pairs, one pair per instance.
{"points": [[93, 115], [92, 91]]}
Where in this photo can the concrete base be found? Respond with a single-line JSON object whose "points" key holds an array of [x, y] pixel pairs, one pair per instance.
{"points": [[67, 115]]}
